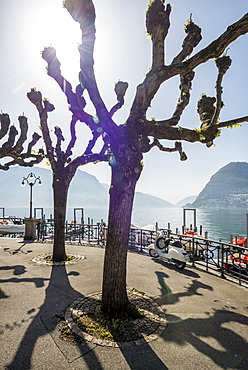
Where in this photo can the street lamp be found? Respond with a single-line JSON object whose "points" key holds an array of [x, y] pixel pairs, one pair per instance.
{"points": [[31, 179]]}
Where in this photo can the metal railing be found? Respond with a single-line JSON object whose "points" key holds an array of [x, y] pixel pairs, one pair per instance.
{"points": [[228, 260], [225, 259], [74, 232]]}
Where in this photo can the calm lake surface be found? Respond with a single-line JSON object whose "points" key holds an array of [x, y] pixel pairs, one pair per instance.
{"points": [[219, 223]]}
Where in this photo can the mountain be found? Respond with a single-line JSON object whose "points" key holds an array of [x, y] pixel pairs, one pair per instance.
{"points": [[185, 201], [227, 188], [147, 200], [85, 191], [150, 201]]}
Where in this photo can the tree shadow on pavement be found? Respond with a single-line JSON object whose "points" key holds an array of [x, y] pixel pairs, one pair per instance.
{"points": [[212, 337], [18, 270], [59, 294], [19, 249], [215, 335], [171, 266], [167, 297], [142, 357]]}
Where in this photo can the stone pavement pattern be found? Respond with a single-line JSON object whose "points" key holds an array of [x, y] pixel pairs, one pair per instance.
{"points": [[207, 317]]}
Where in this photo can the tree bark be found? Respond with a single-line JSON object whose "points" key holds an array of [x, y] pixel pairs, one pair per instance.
{"points": [[60, 192], [126, 170]]}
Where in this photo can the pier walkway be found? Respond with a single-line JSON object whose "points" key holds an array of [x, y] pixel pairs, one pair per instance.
{"points": [[207, 317]]}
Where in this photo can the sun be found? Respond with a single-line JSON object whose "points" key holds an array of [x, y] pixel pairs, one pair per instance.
{"points": [[49, 24]]}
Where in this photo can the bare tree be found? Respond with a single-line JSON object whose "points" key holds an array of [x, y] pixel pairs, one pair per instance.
{"points": [[62, 164], [13, 147], [138, 135]]}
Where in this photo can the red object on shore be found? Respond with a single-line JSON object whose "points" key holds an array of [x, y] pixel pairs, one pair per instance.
{"points": [[238, 260], [240, 241], [189, 232]]}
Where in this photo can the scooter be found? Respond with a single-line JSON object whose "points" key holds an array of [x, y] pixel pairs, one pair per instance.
{"points": [[169, 249]]}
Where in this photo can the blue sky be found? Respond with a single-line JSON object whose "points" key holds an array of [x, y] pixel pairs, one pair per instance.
{"points": [[123, 52]]}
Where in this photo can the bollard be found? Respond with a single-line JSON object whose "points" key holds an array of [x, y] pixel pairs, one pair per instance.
{"points": [[30, 228]]}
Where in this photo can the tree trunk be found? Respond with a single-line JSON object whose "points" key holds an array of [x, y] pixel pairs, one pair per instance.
{"points": [[60, 192], [126, 170]]}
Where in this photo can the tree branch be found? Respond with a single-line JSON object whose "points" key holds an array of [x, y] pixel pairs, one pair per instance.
{"points": [[233, 122], [218, 46], [72, 142], [183, 101], [83, 11], [75, 100], [59, 153], [120, 90], [222, 63], [86, 158], [177, 148], [10, 149], [23, 136], [8, 145], [149, 87], [190, 42], [5, 123], [36, 98], [157, 25]]}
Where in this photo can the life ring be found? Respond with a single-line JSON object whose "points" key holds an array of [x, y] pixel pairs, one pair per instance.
{"points": [[189, 232], [239, 260], [5, 223]]}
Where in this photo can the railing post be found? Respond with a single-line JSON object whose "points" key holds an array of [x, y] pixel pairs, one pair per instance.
{"points": [[193, 251], [206, 243], [222, 275]]}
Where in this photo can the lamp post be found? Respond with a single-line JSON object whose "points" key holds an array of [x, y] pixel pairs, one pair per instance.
{"points": [[31, 179], [30, 223], [246, 222]]}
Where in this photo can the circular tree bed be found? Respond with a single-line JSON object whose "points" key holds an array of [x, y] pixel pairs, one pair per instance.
{"points": [[86, 321], [46, 259]]}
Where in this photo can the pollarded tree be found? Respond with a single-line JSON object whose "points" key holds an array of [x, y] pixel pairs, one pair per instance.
{"points": [[138, 135], [13, 147], [62, 164]]}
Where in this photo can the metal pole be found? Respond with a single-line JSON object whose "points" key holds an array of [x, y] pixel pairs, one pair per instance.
{"points": [[194, 218], [247, 226], [2, 212], [31, 199], [184, 217], [246, 222]]}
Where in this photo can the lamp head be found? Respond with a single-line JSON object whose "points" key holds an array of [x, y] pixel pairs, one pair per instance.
{"points": [[31, 176]]}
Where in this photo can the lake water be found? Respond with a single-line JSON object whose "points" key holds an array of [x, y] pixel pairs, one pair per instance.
{"points": [[219, 223]]}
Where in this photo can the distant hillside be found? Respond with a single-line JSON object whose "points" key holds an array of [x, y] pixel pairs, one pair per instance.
{"points": [[227, 188], [185, 201], [150, 201], [85, 191]]}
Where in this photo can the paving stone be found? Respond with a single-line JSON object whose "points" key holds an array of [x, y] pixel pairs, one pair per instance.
{"points": [[150, 326]]}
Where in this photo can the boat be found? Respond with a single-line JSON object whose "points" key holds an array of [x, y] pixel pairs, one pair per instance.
{"points": [[9, 227], [241, 242]]}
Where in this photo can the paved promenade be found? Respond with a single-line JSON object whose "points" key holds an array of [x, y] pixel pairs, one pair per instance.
{"points": [[207, 316]]}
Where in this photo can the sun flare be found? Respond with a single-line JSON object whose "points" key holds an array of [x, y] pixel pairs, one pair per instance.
{"points": [[52, 25]]}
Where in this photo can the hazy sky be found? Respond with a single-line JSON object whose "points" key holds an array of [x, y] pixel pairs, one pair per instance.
{"points": [[123, 52]]}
